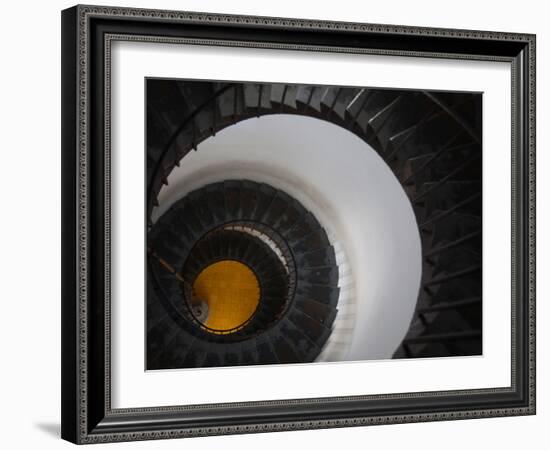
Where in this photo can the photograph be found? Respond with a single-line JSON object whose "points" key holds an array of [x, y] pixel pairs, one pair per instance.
{"points": [[278, 216]]}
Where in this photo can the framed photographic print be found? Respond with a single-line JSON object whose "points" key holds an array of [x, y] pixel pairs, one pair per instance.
{"points": [[278, 224]]}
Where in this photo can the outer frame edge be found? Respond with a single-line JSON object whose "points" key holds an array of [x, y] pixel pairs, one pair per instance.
{"points": [[79, 239], [69, 345]]}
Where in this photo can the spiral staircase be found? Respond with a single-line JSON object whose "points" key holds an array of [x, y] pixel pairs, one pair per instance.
{"points": [[294, 264], [430, 140]]}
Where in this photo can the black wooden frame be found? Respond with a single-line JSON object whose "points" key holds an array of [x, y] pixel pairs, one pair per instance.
{"points": [[87, 415]]}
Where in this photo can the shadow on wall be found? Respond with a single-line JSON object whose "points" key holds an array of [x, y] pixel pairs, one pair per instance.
{"points": [[51, 429]]}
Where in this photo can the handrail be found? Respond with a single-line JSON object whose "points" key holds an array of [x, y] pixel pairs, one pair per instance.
{"points": [[176, 133]]}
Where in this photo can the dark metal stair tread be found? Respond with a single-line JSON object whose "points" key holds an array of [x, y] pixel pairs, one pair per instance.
{"points": [[455, 226], [396, 142], [328, 99], [232, 359], [188, 216], [303, 95], [184, 232], [202, 209], [188, 353], [226, 103], [215, 199], [266, 353], [168, 98], [250, 198], [442, 161], [273, 278], [415, 165], [274, 289], [212, 359], [461, 319], [315, 330], [159, 134], [471, 241], [244, 247], [345, 97], [469, 205], [321, 312], [321, 293], [455, 289], [284, 350], [215, 247], [194, 96], [278, 206], [265, 97], [249, 353], [356, 104], [265, 197], [159, 317], [265, 266], [203, 122], [164, 333], [277, 93], [301, 343], [473, 272], [305, 226], [465, 187], [289, 99], [317, 258], [375, 103], [378, 120], [251, 95], [320, 275], [413, 110], [456, 259], [315, 100], [291, 214], [454, 304], [234, 240], [315, 240], [168, 245], [232, 192], [433, 137]]}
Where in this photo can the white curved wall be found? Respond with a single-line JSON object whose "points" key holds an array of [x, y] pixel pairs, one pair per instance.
{"points": [[354, 195]]}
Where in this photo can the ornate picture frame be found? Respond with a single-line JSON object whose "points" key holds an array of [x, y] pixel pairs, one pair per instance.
{"points": [[88, 33]]}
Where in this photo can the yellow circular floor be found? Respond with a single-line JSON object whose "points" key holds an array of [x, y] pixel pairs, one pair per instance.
{"points": [[231, 291]]}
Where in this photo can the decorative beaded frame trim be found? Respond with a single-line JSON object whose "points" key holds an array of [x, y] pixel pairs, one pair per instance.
{"points": [[87, 12]]}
